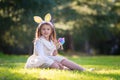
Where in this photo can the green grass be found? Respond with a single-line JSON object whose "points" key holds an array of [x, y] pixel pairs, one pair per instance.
{"points": [[106, 68]]}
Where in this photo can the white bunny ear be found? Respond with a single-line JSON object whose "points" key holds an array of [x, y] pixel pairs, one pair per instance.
{"points": [[37, 19], [47, 17]]}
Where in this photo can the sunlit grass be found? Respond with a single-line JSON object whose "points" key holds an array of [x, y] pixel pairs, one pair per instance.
{"points": [[106, 68]]}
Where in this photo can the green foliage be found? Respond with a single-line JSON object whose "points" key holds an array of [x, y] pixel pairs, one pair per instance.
{"points": [[17, 26], [90, 24], [92, 21]]}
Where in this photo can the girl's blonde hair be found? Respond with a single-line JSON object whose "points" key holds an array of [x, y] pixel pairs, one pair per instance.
{"points": [[38, 32]]}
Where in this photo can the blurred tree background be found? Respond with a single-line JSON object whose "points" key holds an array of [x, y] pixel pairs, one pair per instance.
{"points": [[90, 26]]}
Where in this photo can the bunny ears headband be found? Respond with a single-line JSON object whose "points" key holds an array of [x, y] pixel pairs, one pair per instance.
{"points": [[47, 19]]}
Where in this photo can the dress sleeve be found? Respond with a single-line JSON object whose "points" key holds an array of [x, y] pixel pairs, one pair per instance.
{"points": [[38, 49]]}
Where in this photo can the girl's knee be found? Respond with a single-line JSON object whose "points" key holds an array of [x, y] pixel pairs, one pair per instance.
{"points": [[55, 65], [64, 61]]}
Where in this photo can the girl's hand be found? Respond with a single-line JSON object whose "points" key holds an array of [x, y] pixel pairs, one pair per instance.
{"points": [[55, 53], [60, 65], [59, 46]]}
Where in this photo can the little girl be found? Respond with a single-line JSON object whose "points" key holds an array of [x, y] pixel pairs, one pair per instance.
{"points": [[45, 49]]}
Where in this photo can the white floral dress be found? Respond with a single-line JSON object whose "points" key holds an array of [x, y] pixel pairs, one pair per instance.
{"points": [[43, 54]]}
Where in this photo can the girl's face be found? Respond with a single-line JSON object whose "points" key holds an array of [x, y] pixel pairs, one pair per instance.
{"points": [[46, 31]]}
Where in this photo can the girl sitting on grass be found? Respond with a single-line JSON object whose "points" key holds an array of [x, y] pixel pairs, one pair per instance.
{"points": [[45, 48]]}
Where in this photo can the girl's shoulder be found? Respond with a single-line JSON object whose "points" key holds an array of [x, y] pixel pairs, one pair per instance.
{"points": [[37, 40]]}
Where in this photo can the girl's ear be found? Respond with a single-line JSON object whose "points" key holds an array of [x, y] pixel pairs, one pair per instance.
{"points": [[37, 19], [47, 17]]}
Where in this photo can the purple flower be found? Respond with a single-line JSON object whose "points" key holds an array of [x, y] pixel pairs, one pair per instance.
{"points": [[61, 40]]}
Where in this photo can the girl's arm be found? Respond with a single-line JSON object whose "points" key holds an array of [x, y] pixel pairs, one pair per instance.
{"points": [[55, 52]]}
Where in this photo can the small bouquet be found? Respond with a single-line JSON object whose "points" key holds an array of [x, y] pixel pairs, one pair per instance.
{"points": [[60, 43]]}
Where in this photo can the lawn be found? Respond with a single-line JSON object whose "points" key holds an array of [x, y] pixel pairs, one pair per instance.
{"points": [[106, 68]]}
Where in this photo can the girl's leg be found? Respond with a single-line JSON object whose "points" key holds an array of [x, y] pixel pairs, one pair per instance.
{"points": [[71, 65], [61, 66], [56, 65]]}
